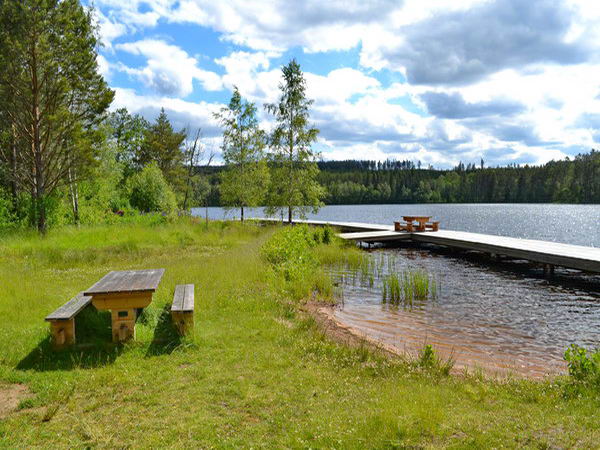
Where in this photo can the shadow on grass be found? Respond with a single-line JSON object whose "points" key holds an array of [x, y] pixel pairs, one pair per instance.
{"points": [[93, 349], [166, 338]]}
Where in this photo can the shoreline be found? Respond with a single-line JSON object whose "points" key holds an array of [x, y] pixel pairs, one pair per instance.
{"points": [[336, 329]]}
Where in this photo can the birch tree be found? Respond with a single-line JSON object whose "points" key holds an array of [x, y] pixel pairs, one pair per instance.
{"points": [[294, 185], [244, 180]]}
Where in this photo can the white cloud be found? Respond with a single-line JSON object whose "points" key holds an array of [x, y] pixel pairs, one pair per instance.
{"points": [[109, 30], [104, 67], [485, 55], [169, 70], [182, 114]]}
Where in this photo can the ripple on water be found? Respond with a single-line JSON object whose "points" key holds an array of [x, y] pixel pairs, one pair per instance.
{"points": [[500, 317]]}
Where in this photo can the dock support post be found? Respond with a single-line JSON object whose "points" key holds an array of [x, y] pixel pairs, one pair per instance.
{"points": [[548, 270]]}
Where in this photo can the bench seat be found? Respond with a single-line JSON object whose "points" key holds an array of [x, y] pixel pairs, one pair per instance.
{"points": [[182, 309], [62, 320], [434, 226]]}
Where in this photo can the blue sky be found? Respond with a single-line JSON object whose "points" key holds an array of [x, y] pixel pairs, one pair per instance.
{"points": [[440, 81]]}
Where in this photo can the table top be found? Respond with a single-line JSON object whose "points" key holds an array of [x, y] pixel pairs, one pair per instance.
{"points": [[127, 281], [417, 218]]}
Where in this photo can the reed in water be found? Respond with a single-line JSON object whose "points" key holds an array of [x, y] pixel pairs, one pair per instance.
{"points": [[408, 286]]}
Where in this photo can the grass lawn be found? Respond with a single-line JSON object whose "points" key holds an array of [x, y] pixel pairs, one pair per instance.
{"points": [[255, 373]]}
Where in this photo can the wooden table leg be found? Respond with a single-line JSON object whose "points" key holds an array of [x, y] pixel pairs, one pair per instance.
{"points": [[123, 324]]}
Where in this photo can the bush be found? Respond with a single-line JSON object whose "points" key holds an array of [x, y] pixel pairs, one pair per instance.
{"points": [[289, 252], [584, 366], [7, 218], [149, 191], [297, 253]]}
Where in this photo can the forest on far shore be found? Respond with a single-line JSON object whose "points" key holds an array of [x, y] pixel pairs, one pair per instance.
{"points": [[574, 180]]}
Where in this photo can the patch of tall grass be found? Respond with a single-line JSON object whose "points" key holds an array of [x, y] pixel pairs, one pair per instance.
{"points": [[298, 253], [408, 287]]}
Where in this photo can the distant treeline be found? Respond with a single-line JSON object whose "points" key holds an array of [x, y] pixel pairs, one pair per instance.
{"points": [[574, 180]]}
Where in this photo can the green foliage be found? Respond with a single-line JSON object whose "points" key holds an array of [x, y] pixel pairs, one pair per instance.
{"points": [[289, 251], [574, 180], [51, 91], [163, 146], [296, 253], [245, 179], [429, 361], [294, 172], [7, 216], [128, 132], [149, 191], [584, 367]]}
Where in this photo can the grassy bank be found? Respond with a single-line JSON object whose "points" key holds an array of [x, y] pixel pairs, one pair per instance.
{"points": [[256, 372]]}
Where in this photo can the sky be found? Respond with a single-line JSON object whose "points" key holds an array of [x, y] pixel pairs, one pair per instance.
{"points": [[439, 81]]}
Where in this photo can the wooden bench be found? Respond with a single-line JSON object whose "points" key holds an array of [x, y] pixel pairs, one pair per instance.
{"points": [[433, 226], [411, 227], [403, 226], [62, 321], [182, 309]]}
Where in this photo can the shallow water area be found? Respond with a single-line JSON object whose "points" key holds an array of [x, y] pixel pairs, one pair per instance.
{"points": [[502, 317]]}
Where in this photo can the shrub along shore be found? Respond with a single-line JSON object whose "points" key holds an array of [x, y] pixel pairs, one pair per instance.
{"points": [[256, 371]]}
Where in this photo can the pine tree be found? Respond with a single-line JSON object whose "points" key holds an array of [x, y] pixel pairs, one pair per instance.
{"points": [[164, 146], [245, 178], [294, 172], [51, 92]]}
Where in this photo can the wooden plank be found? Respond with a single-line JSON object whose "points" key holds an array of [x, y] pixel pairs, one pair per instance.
{"points": [[122, 300], [71, 308], [554, 253], [350, 226], [183, 298], [127, 281], [375, 236]]}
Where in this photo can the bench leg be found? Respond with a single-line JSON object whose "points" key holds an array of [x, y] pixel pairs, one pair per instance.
{"points": [[183, 321], [63, 333]]}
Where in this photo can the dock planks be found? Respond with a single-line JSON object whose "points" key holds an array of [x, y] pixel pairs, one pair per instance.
{"points": [[544, 252]]}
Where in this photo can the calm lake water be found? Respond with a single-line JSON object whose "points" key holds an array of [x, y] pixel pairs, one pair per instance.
{"points": [[494, 315], [572, 224]]}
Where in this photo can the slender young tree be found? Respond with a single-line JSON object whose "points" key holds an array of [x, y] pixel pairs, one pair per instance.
{"points": [[196, 185], [52, 93], [246, 175], [294, 171]]}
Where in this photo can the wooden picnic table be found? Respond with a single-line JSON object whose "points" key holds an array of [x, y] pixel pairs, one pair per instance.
{"points": [[422, 220], [124, 293]]}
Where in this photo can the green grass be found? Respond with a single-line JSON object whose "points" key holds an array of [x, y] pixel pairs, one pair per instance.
{"points": [[255, 373]]}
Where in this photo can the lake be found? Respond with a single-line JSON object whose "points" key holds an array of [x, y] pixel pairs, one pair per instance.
{"points": [[571, 224], [499, 316]]}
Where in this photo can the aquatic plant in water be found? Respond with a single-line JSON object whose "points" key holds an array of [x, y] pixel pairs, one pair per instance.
{"points": [[408, 286]]}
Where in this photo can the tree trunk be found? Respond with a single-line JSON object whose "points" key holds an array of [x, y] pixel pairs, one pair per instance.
{"points": [[206, 211], [242, 213], [40, 203], [290, 214], [13, 167], [36, 147], [74, 197]]}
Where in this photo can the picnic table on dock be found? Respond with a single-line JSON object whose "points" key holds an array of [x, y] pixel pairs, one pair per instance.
{"points": [[421, 220], [124, 293]]}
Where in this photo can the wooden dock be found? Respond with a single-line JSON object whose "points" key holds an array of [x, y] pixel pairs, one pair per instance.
{"points": [[549, 254]]}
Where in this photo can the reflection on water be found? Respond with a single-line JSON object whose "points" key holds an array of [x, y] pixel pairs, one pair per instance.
{"points": [[485, 314]]}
